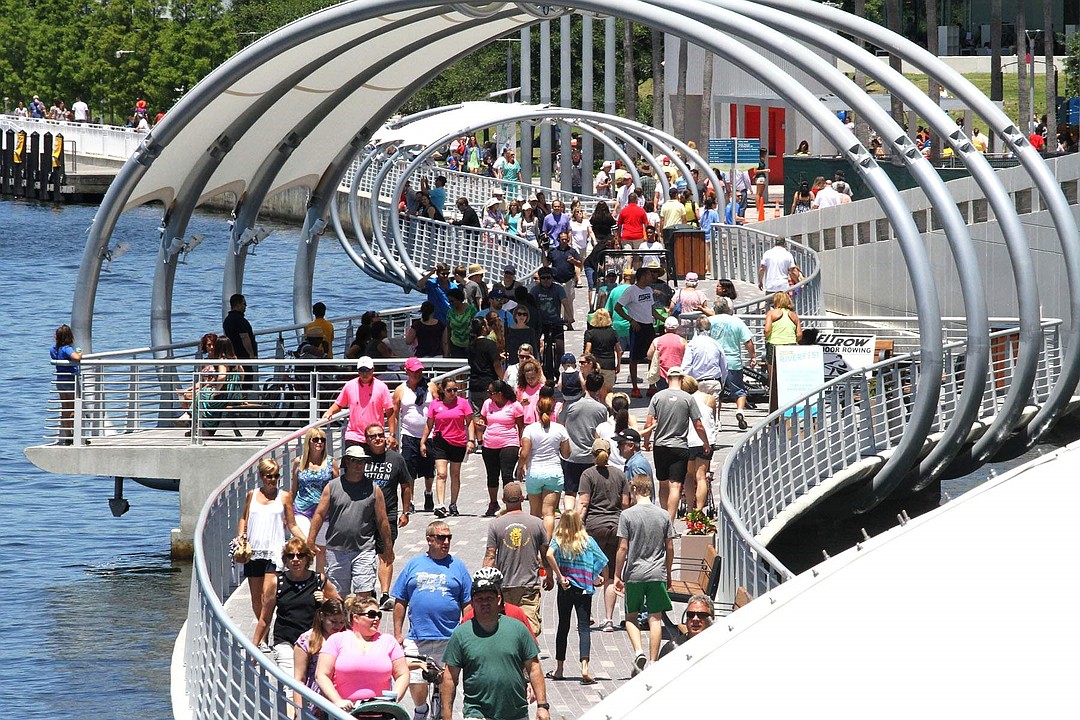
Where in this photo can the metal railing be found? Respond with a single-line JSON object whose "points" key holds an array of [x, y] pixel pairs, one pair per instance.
{"points": [[107, 141], [861, 414], [736, 254], [117, 397]]}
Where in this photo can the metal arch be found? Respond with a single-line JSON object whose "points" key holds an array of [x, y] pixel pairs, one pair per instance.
{"points": [[1033, 163], [683, 168], [378, 267], [638, 147], [959, 239], [403, 269], [923, 412], [1004, 211]]}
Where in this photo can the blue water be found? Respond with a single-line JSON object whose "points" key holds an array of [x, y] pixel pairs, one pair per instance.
{"points": [[92, 604]]}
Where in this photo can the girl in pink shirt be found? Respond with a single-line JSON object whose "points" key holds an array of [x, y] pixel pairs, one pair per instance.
{"points": [[360, 663], [502, 422], [451, 429], [670, 347]]}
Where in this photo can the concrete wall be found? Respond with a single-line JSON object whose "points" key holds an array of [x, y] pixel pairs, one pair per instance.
{"points": [[864, 271]]}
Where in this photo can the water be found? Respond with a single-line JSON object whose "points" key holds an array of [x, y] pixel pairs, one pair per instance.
{"points": [[92, 603]]}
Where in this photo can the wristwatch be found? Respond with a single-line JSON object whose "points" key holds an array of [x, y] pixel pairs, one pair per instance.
{"points": [[543, 706]]}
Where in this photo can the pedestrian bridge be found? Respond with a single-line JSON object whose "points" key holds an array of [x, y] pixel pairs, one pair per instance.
{"points": [[958, 387]]}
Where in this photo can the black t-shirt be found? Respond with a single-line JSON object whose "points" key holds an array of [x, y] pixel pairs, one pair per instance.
{"points": [[603, 341], [296, 606], [549, 300], [601, 227], [483, 357], [388, 472], [561, 267], [428, 338], [234, 325]]}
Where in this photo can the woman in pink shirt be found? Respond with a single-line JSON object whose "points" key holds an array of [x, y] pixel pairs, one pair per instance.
{"points": [[529, 382], [502, 420], [670, 348], [451, 428], [360, 663]]}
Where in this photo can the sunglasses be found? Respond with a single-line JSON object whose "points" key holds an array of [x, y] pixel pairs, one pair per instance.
{"points": [[691, 615], [268, 476], [453, 390], [371, 614], [376, 436], [321, 441], [365, 371], [295, 556], [441, 538]]}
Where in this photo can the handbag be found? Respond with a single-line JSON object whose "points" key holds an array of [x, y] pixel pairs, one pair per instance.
{"points": [[240, 549], [654, 369]]}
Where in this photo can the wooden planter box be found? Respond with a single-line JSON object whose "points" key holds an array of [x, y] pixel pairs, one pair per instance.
{"points": [[690, 556]]}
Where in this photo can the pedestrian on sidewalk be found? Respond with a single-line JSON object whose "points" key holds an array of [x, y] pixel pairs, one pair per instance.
{"points": [[449, 437], [577, 563], [581, 419], [502, 421], [388, 470], [603, 495], [516, 544], [411, 401], [544, 444], [643, 568]]}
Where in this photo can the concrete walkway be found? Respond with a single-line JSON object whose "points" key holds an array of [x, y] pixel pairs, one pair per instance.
{"points": [[612, 656]]}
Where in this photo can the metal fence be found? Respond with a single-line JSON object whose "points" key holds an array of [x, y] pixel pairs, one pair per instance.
{"points": [[736, 255], [117, 397], [106, 141], [858, 415]]}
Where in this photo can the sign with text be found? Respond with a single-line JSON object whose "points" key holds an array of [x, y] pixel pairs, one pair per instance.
{"points": [[800, 370], [726, 152], [856, 350]]}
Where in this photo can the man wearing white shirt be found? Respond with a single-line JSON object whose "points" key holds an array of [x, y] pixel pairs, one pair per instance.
{"points": [[827, 196], [80, 110], [774, 268]]}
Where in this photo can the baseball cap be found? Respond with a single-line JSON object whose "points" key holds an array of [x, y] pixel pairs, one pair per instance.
{"points": [[512, 269], [601, 444], [544, 271], [672, 323], [365, 361], [356, 452], [512, 493], [497, 294], [413, 364], [628, 435], [675, 371], [568, 358], [691, 278]]}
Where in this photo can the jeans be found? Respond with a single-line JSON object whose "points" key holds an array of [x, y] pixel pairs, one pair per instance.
{"points": [[573, 598]]}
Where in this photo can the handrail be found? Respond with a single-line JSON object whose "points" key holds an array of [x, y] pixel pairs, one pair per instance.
{"points": [[857, 415], [736, 254]]}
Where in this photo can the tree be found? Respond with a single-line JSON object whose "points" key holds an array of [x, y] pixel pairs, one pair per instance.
{"points": [[656, 55], [892, 12], [1023, 89], [1048, 57], [706, 102], [997, 89], [629, 80], [1072, 66], [678, 107]]}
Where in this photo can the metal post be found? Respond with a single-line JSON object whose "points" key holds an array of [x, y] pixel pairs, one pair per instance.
{"points": [[545, 99], [526, 98], [609, 72], [565, 164], [587, 168]]}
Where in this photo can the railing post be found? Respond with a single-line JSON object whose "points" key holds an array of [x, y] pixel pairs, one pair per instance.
{"points": [[77, 413]]}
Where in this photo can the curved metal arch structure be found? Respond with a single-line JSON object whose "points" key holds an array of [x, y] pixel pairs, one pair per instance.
{"points": [[362, 59]]}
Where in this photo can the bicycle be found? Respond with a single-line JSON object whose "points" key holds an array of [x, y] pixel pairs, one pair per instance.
{"points": [[432, 674], [381, 708], [551, 337]]}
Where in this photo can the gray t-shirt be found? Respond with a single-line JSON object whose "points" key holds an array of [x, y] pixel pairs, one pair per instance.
{"points": [[605, 487], [674, 411], [581, 420], [647, 528], [518, 539], [351, 517]]}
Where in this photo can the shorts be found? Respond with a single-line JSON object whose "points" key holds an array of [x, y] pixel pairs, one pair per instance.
{"points": [[572, 475], [537, 483], [610, 376], [670, 463], [734, 387], [379, 549], [696, 453], [259, 568], [607, 537], [640, 342], [418, 465], [304, 523], [431, 648], [284, 657], [351, 571], [440, 449], [652, 595], [528, 599]]}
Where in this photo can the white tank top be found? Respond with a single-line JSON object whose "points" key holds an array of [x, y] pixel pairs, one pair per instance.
{"points": [[707, 419], [266, 529], [413, 417]]}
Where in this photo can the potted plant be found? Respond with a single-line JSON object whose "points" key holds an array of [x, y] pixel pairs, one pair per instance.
{"points": [[700, 533]]}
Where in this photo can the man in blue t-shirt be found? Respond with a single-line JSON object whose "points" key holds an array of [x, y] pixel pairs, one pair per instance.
{"points": [[436, 288], [433, 589], [556, 223]]}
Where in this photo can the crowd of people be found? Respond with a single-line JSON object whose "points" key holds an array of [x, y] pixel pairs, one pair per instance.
{"points": [[79, 112]]}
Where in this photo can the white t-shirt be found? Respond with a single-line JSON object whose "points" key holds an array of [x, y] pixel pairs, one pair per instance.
{"points": [[827, 197], [545, 456], [579, 236], [654, 245], [639, 302], [81, 111], [606, 430], [777, 261]]}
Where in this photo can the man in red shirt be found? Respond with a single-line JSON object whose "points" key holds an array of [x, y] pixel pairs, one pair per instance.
{"points": [[370, 403], [632, 221]]}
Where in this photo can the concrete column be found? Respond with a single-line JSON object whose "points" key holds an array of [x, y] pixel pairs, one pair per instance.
{"points": [[566, 100], [545, 99], [609, 73], [587, 170], [526, 98], [724, 110]]}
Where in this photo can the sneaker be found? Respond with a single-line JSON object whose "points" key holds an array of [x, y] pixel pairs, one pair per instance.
{"points": [[635, 393], [607, 626], [387, 602], [440, 512], [639, 664], [492, 510], [454, 510], [265, 649], [741, 420], [429, 503]]}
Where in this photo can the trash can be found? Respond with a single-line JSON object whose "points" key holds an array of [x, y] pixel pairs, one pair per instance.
{"points": [[688, 253]]}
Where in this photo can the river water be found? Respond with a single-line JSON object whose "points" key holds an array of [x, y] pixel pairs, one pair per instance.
{"points": [[93, 603]]}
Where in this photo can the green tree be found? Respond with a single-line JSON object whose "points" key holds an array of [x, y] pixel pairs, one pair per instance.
{"points": [[1072, 66]]}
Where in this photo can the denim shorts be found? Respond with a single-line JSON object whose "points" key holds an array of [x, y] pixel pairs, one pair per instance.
{"points": [[537, 483]]}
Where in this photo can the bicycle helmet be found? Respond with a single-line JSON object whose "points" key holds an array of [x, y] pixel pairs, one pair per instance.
{"points": [[487, 578]]}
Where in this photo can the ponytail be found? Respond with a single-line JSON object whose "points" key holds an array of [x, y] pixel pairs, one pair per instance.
{"points": [[601, 457], [545, 407]]}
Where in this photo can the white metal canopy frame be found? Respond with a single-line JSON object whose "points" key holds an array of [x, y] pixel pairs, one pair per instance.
{"points": [[284, 111]]}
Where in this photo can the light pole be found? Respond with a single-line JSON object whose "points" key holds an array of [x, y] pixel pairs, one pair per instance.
{"points": [[510, 89]]}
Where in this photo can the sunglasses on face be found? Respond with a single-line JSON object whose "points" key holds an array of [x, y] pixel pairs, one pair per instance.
{"points": [[295, 556], [691, 615], [321, 441], [365, 371], [371, 614], [441, 538], [451, 390], [271, 476], [376, 436]]}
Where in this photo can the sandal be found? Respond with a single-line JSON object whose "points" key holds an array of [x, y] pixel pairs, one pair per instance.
{"points": [[585, 680], [550, 675]]}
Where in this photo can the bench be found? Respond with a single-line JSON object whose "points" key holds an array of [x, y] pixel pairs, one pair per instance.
{"points": [[706, 570]]}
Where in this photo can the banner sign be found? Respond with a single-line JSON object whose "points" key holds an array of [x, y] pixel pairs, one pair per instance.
{"points": [[745, 152], [857, 351], [800, 370]]}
